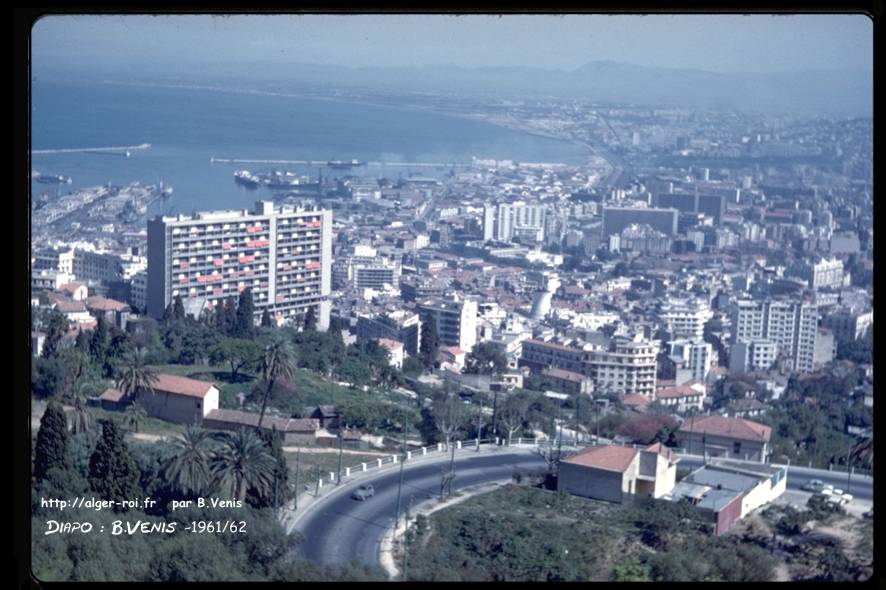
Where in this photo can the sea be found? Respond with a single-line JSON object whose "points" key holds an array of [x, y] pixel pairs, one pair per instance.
{"points": [[187, 127]]}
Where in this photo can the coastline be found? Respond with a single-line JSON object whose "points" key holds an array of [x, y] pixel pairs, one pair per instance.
{"points": [[367, 101]]}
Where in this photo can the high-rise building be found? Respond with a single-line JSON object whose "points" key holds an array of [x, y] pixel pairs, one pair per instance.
{"points": [[283, 255], [456, 320], [697, 355], [488, 222], [627, 367], [791, 325], [402, 326], [708, 204], [686, 318], [615, 219], [365, 269]]}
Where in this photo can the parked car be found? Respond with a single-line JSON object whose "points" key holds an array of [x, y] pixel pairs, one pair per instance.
{"points": [[364, 492], [869, 513], [814, 485]]}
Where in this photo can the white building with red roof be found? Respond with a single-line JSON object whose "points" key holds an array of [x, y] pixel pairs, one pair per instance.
{"points": [[614, 473], [173, 398], [730, 438]]}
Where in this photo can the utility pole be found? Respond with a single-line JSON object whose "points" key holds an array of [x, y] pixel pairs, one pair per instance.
{"points": [[577, 417], [479, 425], [317, 493], [494, 412], [340, 437], [848, 471], [451, 470], [297, 460], [399, 490]]}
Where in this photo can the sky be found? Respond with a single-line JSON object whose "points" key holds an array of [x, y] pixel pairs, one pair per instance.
{"points": [[719, 43]]}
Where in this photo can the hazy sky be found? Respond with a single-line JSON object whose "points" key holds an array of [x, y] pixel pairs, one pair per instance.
{"points": [[728, 43]]}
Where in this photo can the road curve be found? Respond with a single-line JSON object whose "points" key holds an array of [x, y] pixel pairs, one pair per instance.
{"points": [[343, 529]]}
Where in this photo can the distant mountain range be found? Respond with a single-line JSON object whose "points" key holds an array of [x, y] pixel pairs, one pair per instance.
{"points": [[807, 92]]}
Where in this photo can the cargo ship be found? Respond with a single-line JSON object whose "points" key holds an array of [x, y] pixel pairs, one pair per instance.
{"points": [[341, 164]]}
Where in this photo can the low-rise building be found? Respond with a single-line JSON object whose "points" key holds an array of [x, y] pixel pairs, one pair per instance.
{"points": [[615, 473], [728, 491], [729, 438]]}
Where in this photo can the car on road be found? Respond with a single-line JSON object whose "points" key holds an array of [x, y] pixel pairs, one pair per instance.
{"points": [[364, 492], [814, 485]]}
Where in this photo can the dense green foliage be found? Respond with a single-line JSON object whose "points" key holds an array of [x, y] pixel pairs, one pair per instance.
{"points": [[52, 442], [526, 534], [113, 474], [486, 359]]}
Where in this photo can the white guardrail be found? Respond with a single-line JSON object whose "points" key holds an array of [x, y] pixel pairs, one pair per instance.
{"points": [[432, 450]]}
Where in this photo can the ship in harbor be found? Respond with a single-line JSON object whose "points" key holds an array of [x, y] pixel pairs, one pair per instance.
{"points": [[342, 164], [247, 179], [51, 179], [276, 180]]}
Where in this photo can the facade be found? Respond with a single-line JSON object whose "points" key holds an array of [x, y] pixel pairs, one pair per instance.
{"points": [[708, 204], [614, 473], [568, 381], [395, 351], [49, 280], [682, 398], [539, 355], [826, 273], [627, 367], [728, 491], [615, 219], [138, 290], [366, 270], [488, 222], [698, 357], [728, 438], [402, 326], [456, 320], [848, 325], [758, 354], [792, 325], [686, 318], [284, 255], [176, 399]]}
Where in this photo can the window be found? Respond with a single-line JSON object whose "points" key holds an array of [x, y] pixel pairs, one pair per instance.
{"points": [[736, 448]]}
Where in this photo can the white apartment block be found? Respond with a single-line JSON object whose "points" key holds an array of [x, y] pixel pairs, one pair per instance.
{"points": [[825, 273], [628, 367], [791, 325], [456, 321], [283, 255], [698, 357], [752, 355], [686, 318]]}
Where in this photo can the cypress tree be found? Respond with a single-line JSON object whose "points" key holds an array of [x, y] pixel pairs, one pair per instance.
{"points": [[430, 342], [55, 331], [98, 345], [310, 320], [220, 318], [168, 315], [274, 441], [266, 319], [230, 316], [245, 326], [52, 441], [178, 308], [113, 473]]}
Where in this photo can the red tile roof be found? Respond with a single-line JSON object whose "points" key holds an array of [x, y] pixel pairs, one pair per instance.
{"points": [[636, 399], [65, 306], [728, 427], [563, 374], [181, 385], [99, 303], [608, 458], [111, 395]]}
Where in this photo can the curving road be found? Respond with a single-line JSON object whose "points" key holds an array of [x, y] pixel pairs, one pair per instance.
{"points": [[340, 529]]}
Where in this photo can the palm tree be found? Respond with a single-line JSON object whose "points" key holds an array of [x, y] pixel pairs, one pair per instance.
{"points": [[242, 464], [135, 416], [136, 375], [188, 469], [278, 361]]}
